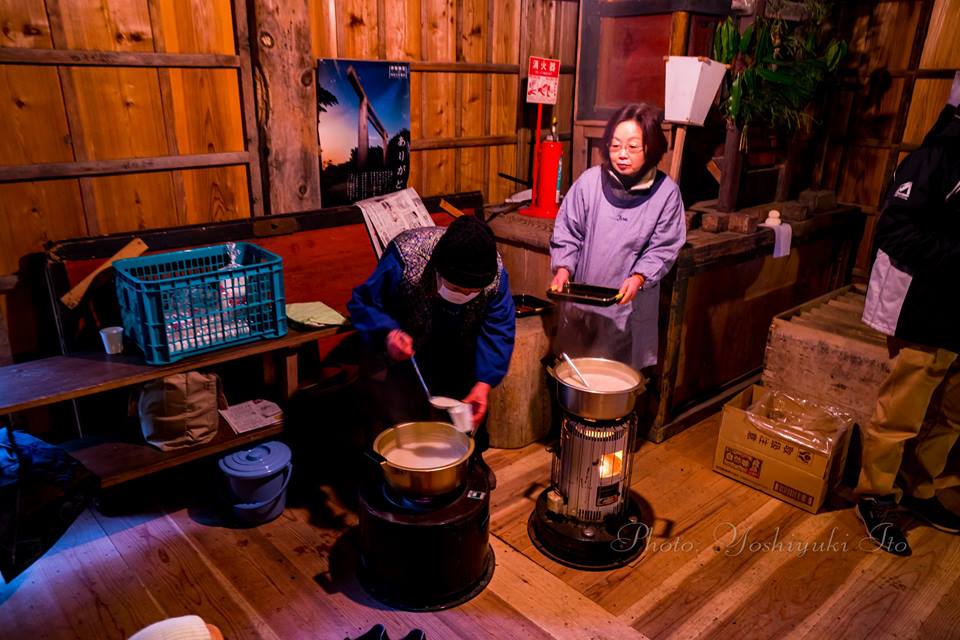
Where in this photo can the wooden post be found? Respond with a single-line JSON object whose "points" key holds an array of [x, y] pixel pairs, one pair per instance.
{"points": [[788, 167], [288, 98], [732, 159], [679, 33], [676, 160], [730, 173], [677, 282], [679, 37], [251, 130]]}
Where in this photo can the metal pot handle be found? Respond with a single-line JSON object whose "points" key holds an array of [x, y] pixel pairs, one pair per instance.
{"points": [[375, 457], [550, 366], [379, 465]]}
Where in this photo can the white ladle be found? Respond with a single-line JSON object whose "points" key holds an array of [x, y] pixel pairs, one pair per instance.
{"points": [[460, 413], [583, 380]]}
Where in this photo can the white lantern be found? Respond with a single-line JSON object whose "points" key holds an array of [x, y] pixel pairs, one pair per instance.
{"points": [[691, 85]]}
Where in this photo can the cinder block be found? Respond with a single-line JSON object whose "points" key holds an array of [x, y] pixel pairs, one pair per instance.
{"points": [[741, 223], [794, 211], [818, 200], [715, 222]]}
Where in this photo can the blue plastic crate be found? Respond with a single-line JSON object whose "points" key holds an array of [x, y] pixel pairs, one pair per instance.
{"points": [[178, 304]]}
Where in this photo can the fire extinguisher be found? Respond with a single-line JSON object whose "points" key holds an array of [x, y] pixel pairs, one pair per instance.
{"points": [[548, 169]]}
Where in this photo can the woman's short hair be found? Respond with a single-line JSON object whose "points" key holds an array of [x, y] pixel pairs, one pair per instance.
{"points": [[649, 118]]}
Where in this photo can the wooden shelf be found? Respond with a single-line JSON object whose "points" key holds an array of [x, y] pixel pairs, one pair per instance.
{"points": [[120, 458], [117, 461], [42, 382]]}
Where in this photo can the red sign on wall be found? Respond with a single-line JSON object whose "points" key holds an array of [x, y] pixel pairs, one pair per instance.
{"points": [[543, 80]]}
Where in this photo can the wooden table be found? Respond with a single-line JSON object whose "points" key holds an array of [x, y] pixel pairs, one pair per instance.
{"points": [[716, 304], [115, 458]]}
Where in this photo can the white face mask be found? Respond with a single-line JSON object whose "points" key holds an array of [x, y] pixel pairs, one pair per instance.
{"points": [[452, 296]]}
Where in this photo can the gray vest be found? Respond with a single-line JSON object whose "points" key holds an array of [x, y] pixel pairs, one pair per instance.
{"points": [[418, 287]]}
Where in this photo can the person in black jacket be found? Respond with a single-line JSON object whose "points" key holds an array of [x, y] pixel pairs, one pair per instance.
{"points": [[913, 299]]}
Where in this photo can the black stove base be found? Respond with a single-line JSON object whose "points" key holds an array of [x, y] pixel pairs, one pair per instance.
{"points": [[421, 556], [416, 601], [597, 546]]}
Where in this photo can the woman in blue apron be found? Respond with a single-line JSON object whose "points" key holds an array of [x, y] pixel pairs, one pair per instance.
{"points": [[621, 225]]}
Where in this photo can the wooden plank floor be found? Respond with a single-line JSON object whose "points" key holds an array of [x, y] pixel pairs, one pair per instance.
{"points": [[724, 561]]}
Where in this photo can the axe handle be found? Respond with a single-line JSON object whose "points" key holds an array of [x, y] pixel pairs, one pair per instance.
{"points": [[449, 208], [132, 249]]}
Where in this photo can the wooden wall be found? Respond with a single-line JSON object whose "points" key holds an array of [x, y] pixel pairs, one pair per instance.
{"points": [[118, 115], [903, 54], [64, 128]]}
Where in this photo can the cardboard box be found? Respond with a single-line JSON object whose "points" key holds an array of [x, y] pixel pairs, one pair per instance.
{"points": [[761, 458]]}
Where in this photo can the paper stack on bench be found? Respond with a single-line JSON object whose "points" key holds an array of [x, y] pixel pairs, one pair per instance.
{"points": [[389, 215], [251, 415]]}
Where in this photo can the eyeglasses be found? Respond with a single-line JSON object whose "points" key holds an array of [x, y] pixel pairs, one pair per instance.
{"points": [[633, 148]]}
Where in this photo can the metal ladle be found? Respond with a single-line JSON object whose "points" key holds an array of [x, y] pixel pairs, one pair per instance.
{"points": [[413, 361], [435, 401], [583, 380]]}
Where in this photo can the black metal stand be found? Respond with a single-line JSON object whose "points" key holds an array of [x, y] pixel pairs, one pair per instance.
{"points": [[590, 546], [429, 556]]}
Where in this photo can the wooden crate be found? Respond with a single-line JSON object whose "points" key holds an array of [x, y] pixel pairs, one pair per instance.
{"points": [[823, 350]]}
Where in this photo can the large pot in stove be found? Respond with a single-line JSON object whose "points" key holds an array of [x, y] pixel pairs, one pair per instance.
{"points": [[613, 393], [423, 459]]}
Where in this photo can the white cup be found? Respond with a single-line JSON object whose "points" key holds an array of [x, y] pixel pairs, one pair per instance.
{"points": [[112, 339], [462, 416]]}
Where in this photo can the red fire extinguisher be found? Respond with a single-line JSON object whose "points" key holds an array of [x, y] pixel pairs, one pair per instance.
{"points": [[547, 170]]}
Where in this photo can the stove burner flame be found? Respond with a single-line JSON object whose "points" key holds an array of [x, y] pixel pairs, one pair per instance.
{"points": [[417, 503], [611, 464]]}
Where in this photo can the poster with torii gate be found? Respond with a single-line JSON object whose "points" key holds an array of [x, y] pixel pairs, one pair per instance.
{"points": [[363, 127]]}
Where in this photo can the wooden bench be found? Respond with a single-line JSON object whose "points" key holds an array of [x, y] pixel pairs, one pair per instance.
{"points": [[116, 457], [326, 253]]}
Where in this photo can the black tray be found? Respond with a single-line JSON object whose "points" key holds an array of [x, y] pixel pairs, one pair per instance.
{"points": [[528, 305], [585, 294]]}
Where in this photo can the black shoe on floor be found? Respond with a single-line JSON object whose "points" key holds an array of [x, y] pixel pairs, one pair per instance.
{"points": [[376, 632], [877, 513], [932, 511]]}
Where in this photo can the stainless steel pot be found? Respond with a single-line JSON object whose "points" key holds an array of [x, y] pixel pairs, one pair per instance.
{"points": [[424, 438], [593, 404]]}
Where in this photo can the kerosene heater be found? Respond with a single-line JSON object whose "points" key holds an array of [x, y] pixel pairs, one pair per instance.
{"points": [[588, 518]]}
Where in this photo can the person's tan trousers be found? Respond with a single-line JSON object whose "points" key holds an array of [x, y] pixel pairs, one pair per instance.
{"points": [[897, 440]]}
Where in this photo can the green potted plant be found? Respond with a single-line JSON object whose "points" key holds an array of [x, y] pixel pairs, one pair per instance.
{"points": [[777, 67]]}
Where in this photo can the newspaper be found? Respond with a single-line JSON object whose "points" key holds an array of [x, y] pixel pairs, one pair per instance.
{"points": [[251, 415], [388, 215]]}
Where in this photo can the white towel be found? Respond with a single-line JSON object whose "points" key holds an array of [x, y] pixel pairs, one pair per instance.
{"points": [[782, 234]]}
